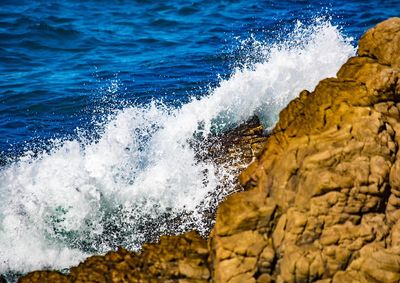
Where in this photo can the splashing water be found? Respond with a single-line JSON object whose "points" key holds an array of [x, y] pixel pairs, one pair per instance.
{"points": [[141, 178]]}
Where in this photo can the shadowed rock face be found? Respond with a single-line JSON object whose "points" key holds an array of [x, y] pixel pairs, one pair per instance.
{"points": [[323, 197]]}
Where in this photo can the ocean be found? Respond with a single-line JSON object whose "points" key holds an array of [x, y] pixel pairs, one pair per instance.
{"points": [[100, 102]]}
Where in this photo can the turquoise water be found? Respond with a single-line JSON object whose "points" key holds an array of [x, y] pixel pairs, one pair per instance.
{"points": [[102, 101]]}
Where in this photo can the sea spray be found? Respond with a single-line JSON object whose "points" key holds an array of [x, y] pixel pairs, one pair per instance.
{"points": [[142, 177]]}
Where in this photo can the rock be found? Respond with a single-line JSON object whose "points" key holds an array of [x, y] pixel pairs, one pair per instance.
{"points": [[238, 146], [382, 43], [45, 277], [331, 166], [173, 257], [322, 200]]}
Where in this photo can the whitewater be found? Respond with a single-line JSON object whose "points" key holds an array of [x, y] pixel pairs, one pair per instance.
{"points": [[142, 177]]}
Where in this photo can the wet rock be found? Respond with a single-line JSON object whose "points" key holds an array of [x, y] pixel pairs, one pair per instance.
{"points": [[236, 147]]}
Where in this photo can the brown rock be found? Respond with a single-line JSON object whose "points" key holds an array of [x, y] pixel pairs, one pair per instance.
{"points": [[382, 42], [172, 258], [193, 268], [331, 166], [45, 277]]}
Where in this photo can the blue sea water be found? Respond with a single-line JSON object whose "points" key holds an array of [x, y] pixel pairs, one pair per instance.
{"points": [[64, 62], [101, 102]]}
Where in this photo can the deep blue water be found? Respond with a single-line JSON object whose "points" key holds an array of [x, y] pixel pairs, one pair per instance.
{"points": [[64, 63]]}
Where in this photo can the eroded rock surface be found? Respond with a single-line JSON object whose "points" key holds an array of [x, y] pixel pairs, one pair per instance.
{"points": [[331, 169], [322, 201]]}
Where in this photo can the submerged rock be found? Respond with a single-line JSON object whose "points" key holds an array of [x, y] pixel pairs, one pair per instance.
{"points": [[323, 198]]}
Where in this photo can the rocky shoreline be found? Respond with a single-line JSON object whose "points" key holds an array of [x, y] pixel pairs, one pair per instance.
{"points": [[322, 199]]}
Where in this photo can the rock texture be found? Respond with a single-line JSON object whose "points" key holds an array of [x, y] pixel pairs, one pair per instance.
{"points": [[238, 146], [174, 259], [322, 200], [331, 171]]}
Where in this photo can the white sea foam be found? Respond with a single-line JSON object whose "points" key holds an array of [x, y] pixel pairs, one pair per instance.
{"points": [[141, 178]]}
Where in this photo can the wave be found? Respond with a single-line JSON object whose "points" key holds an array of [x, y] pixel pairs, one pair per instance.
{"points": [[142, 177]]}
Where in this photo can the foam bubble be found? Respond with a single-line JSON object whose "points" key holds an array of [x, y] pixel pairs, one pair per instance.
{"points": [[141, 178]]}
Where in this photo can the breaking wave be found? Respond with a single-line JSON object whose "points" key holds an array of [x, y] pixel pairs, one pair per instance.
{"points": [[142, 178]]}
